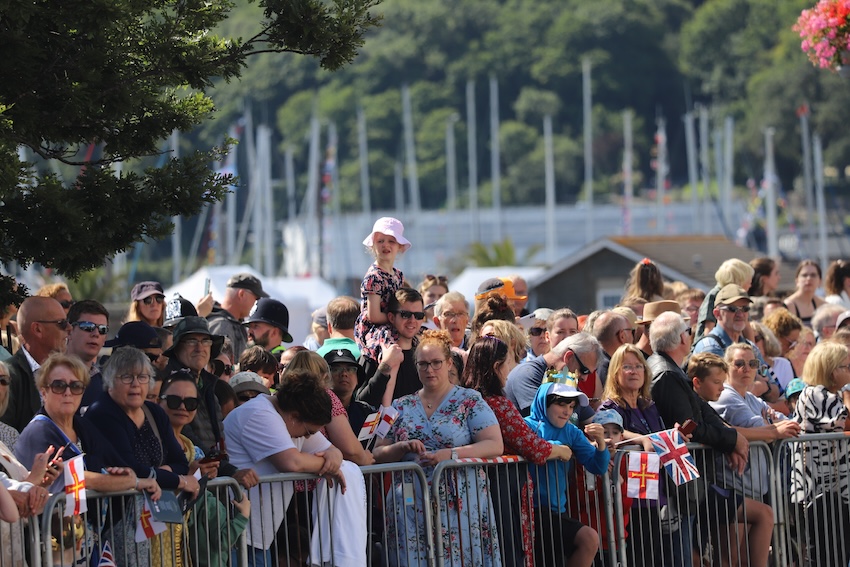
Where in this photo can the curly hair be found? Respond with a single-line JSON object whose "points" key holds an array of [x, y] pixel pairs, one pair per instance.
{"points": [[440, 339], [303, 395], [782, 322], [494, 306]]}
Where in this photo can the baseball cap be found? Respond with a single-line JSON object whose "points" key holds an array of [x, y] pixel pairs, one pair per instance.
{"points": [[795, 386], [146, 289], [488, 285], [539, 314], [603, 417], [320, 316], [843, 318], [248, 381], [565, 391], [247, 281], [730, 294], [340, 356], [176, 308], [391, 227]]}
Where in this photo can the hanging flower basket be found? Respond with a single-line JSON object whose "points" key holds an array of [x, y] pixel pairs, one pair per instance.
{"points": [[825, 30]]}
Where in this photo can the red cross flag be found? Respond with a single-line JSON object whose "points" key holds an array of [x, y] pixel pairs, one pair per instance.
{"points": [[147, 526], [75, 486], [367, 431], [643, 477], [388, 417]]}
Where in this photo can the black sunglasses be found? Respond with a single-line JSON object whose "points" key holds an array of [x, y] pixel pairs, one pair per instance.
{"points": [[59, 387], [61, 323], [583, 370], [405, 314], [536, 331], [89, 327], [152, 357], [174, 402], [151, 298], [67, 303], [735, 309]]}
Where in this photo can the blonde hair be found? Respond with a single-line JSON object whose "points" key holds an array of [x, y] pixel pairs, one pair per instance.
{"points": [[734, 271], [440, 339], [612, 386], [728, 355], [52, 290], [822, 363], [134, 315], [56, 360], [510, 334], [313, 363]]}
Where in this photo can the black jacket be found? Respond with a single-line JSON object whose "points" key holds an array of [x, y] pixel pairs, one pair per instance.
{"points": [[24, 398], [677, 402]]}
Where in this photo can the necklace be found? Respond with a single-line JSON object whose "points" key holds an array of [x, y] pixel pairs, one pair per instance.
{"points": [[430, 405]]}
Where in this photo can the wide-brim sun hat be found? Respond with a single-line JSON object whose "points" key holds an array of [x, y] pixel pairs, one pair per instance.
{"points": [[391, 227], [194, 325]]}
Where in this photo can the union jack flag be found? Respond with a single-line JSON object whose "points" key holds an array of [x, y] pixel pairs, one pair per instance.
{"points": [[106, 558], [674, 456]]}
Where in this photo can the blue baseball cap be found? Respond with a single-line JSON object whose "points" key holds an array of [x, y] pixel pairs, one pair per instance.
{"points": [[795, 386], [608, 416]]}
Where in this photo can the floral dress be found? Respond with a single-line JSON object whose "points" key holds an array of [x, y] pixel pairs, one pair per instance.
{"points": [[369, 336], [466, 513]]}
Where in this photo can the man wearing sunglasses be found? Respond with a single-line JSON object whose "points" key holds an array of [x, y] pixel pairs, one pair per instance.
{"points": [[43, 329], [578, 354], [406, 312], [732, 310], [89, 325]]}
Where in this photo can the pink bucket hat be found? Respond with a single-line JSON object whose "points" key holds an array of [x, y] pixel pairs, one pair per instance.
{"points": [[390, 227]]}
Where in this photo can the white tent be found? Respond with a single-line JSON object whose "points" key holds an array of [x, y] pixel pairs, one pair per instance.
{"points": [[300, 295], [467, 281]]}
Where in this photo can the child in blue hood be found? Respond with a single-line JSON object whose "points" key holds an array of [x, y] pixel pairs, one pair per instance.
{"points": [[562, 540]]}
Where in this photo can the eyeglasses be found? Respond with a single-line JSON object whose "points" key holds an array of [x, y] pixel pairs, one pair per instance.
{"points": [[307, 432], [67, 303], [584, 370], [423, 365], [128, 378], [791, 344], [174, 402], [733, 309], [844, 366], [751, 363], [404, 314], [688, 331], [61, 323], [195, 342], [454, 314], [628, 330], [89, 327], [151, 298], [536, 331], [339, 369], [758, 338], [59, 387], [4, 380], [633, 368]]}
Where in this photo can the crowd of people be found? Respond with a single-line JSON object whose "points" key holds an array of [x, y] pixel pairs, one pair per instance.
{"points": [[196, 391]]}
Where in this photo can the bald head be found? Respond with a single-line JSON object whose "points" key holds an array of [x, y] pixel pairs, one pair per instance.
{"points": [[42, 326]]}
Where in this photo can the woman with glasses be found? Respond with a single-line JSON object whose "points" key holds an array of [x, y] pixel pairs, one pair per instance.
{"points": [[804, 302], [179, 399], [147, 304], [778, 367], [442, 422], [537, 341]]}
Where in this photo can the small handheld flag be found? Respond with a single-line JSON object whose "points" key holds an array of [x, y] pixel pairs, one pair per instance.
{"points": [[643, 476], [75, 486], [674, 456]]}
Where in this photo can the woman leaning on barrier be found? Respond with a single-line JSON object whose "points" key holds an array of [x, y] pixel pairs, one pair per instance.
{"points": [[211, 528], [489, 362], [280, 434], [438, 423], [819, 473]]}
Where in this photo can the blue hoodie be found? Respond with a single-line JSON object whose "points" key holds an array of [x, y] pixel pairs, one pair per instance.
{"points": [[556, 471]]}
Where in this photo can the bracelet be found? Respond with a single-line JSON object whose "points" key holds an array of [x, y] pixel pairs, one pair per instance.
{"points": [[137, 483]]}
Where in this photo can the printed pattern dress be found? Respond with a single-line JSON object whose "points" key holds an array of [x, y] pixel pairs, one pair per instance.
{"points": [[466, 512], [369, 337]]}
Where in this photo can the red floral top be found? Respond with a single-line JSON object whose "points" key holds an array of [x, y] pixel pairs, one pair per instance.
{"points": [[518, 437]]}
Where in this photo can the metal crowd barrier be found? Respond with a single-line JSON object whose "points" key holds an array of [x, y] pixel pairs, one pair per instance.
{"points": [[17, 542], [812, 479]]}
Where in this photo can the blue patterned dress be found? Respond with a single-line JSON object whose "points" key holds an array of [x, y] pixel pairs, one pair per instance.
{"points": [[368, 335], [467, 521]]}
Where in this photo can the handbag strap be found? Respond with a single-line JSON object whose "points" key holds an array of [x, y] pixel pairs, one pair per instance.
{"points": [[149, 417]]}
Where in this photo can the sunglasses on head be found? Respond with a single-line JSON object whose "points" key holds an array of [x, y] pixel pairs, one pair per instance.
{"points": [[742, 363], [151, 298], [536, 331], [404, 314], [89, 327], [174, 402], [59, 387]]}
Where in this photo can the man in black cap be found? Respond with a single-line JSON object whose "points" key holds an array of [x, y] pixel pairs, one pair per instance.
{"points": [[176, 308], [243, 291], [345, 375], [268, 324], [194, 346]]}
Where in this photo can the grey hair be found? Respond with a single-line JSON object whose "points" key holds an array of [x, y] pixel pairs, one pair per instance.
{"points": [[771, 343], [123, 360], [666, 330], [824, 314], [448, 298], [5, 403], [580, 343]]}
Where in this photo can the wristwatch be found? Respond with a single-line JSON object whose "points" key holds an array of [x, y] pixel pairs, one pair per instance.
{"points": [[454, 454]]}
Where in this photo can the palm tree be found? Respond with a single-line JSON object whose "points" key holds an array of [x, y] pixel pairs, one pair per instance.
{"points": [[499, 254]]}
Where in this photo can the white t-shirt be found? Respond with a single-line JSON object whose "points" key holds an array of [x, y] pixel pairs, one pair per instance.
{"points": [[255, 431]]}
